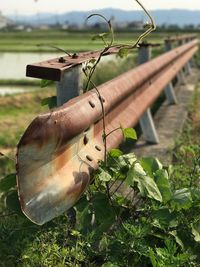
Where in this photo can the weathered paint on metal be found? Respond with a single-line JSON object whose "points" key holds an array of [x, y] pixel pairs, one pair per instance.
{"points": [[59, 149]]}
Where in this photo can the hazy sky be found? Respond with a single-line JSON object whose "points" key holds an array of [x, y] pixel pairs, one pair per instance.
{"points": [[34, 6]]}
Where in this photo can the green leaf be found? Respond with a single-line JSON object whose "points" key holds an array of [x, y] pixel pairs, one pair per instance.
{"points": [[162, 180], [196, 231], [177, 238], [50, 101], [146, 184], [104, 213], [8, 182], [100, 36], [195, 193], [102, 206], [152, 258], [151, 165], [81, 204], [110, 264], [12, 202], [129, 133], [181, 199], [104, 176], [127, 159], [84, 216], [163, 218], [151, 188], [115, 153], [92, 61], [130, 177], [45, 83], [123, 52], [103, 244]]}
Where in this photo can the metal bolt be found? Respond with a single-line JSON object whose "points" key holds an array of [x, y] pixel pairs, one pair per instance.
{"points": [[75, 55], [61, 60]]}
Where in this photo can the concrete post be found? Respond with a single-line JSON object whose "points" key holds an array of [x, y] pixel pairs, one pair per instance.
{"points": [[144, 54], [187, 68], [70, 86], [169, 90], [146, 121], [168, 47], [170, 94], [148, 128]]}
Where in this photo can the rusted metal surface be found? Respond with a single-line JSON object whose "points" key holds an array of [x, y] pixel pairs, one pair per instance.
{"points": [[53, 69], [59, 149]]}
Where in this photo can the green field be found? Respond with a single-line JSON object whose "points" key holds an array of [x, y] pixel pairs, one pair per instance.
{"points": [[70, 41]]}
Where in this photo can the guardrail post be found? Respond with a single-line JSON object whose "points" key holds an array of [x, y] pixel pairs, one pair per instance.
{"points": [[169, 90], [168, 47], [148, 128], [187, 67], [144, 53], [170, 94], [69, 86], [146, 121], [192, 61]]}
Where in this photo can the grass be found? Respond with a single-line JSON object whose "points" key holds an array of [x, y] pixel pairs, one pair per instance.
{"points": [[70, 41], [186, 154], [16, 113], [22, 82]]}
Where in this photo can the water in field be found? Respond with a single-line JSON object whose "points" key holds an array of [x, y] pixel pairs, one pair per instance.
{"points": [[13, 65], [8, 90]]}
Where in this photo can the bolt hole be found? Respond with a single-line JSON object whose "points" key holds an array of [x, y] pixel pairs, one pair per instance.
{"points": [[89, 158], [102, 99], [85, 140], [98, 148], [92, 104]]}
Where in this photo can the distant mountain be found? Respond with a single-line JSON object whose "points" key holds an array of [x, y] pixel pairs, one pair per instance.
{"points": [[180, 17]]}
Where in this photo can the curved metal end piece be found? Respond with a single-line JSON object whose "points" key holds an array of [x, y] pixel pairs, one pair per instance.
{"points": [[51, 174]]}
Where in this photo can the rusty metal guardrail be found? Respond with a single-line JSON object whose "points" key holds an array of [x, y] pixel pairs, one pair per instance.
{"points": [[60, 148], [183, 38]]}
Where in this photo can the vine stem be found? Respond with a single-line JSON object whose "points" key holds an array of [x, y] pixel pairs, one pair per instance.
{"points": [[5, 156], [90, 71], [119, 128], [104, 122]]}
